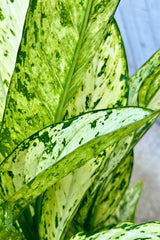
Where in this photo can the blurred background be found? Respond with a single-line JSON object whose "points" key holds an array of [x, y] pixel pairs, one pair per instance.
{"points": [[139, 23]]}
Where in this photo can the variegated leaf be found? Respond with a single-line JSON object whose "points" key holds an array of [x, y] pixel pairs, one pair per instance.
{"points": [[59, 41], [144, 76], [62, 201], [12, 14], [49, 155], [125, 231], [110, 194], [2, 100], [149, 92], [117, 157], [125, 211], [7, 230], [105, 83]]}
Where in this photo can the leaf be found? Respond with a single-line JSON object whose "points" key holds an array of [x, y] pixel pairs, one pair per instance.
{"points": [[143, 76], [2, 100], [59, 41], [105, 83], [7, 230], [42, 160], [110, 194], [125, 231], [125, 211], [101, 184], [149, 92], [12, 14], [64, 197]]}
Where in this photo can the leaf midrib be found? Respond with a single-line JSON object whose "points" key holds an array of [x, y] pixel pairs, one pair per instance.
{"points": [[59, 116]]}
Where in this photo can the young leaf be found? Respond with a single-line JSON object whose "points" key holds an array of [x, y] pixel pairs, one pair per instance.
{"points": [[42, 160], [12, 14], [59, 41], [125, 211], [125, 231], [142, 77]]}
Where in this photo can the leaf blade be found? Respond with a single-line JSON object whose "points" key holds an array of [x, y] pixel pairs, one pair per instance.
{"points": [[16, 181]]}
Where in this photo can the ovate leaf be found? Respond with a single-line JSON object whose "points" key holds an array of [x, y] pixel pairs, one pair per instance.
{"points": [[125, 231], [59, 41], [145, 77], [43, 159], [127, 206]]}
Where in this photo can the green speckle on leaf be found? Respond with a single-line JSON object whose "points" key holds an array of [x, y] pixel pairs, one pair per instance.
{"points": [[64, 14], [6, 53], [13, 33], [93, 124], [44, 137], [1, 15], [56, 220]]}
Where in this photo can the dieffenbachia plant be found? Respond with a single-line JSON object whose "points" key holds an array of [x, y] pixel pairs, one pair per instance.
{"points": [[70, 121]]}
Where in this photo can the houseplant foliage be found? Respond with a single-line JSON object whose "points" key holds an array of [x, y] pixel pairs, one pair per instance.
{"points": [[69, 122]]}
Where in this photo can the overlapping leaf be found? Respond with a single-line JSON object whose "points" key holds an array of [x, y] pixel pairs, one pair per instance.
{"points": [[2, 100], [7, 230], [59, 41], [127, 207], [125, 231], [144, 85], [54, 152], [12, 14], [106, 83]]}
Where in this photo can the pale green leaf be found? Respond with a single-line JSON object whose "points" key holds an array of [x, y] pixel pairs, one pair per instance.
{"points": [[125, 211], [49, 155], [125, 231], [145, 77], [12, 14], [59, 41], [106, 83]]}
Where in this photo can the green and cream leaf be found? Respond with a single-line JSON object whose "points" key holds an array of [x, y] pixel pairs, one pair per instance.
{"points": [[62, 201], [59, 41], [43, 159], [125, 231], [125, 211], [144, 79], [12, 15]]}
